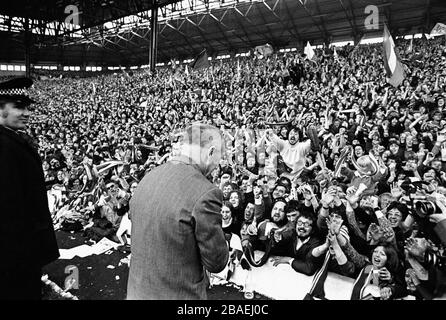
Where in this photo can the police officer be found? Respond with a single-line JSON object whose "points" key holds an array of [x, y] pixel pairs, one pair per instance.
{"points": [[27, 238]]}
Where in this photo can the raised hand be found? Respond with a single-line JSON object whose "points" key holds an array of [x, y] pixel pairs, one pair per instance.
{"points": [[351, 196], [328, 196], [416, 246], [396, 190], [441, 137], [307, 192], [374, 233], [392, 167], [429, 157], [411, 278], [334, 224]]}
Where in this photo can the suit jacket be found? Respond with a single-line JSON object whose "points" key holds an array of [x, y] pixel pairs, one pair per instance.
{"points": [[176, 231], [26, 228], [304, 262]]}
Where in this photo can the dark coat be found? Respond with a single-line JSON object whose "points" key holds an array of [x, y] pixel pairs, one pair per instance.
{"points": [[304, 262], [26, 229], [176, 233]]}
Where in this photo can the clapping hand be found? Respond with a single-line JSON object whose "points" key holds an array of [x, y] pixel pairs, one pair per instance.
{"points": [[328, 197], [252, 229], [306, 191], [377, 233], [334, 224], [411, 279], [333, 241], [374, 233]]}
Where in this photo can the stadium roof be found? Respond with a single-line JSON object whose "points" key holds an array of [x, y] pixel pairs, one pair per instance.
{"points": [[116, 32]]}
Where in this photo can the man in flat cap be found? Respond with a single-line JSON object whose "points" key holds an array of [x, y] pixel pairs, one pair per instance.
{"points": [[27, 239]]}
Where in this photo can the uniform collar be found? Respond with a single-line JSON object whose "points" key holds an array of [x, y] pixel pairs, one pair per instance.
{"points": [[12, 133]]}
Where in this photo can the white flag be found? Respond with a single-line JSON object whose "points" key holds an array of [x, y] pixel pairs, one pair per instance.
{"points": [[392, 65], [309, 51], [335, 54], [438, 30]]}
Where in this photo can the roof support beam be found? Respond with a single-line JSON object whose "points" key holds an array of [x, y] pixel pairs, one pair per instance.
{"points": [[352, 23], [323, 33], [247, 19], [357, 34], [192, 49], [326, 34], [280, 20], [201, 32], [265, 25]]}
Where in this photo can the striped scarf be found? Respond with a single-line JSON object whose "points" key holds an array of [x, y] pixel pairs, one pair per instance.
{"points": [[361, 284], [317, 288]]}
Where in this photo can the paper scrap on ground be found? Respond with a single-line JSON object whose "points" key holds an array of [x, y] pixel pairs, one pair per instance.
{"points": [[85, 250], [103, 246], [66, 254]]}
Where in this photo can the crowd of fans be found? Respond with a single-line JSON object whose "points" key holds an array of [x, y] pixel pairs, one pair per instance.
{"points": [[326, 167]]}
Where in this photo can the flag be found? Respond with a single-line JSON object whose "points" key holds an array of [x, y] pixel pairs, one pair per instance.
{"points": [[410, 48], [173, 64], [186, 71], [263, 51], [201, 61], [93, 95], [438, 30], [335, 54], [393, 66], [309, 52], [238, 70]]}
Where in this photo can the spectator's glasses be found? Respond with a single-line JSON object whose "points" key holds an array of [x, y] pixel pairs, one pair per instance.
{"points": [[305, 224]]}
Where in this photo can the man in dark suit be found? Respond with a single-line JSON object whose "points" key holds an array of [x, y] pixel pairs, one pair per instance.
{"points": [[176, 223], [301, 248], [27, 239]]}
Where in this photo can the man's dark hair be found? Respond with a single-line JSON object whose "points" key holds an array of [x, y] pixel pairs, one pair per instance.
{"points": [[281, 199], [311, 217], [292, 206], [284, 182]]}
